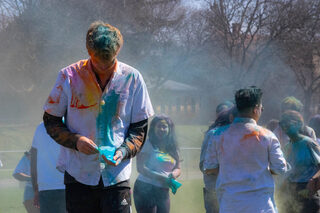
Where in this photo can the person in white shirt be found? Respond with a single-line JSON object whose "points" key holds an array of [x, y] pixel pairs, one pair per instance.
{"points": [[245, 155], [106, 105], [224, 117], [47, 181], [22, 173]]}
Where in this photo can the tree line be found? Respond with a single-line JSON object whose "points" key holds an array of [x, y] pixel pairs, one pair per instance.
{"points": [[217, 48]]}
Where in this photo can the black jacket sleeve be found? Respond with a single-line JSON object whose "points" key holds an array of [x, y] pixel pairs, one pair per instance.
{"points": [[135, 139], [59, 131]]}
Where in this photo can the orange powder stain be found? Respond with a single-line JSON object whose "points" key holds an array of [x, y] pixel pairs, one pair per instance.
{"points": [[75, 103], [50, 100], [252, 134], [90, 93], [64, 77], [56, 100]]}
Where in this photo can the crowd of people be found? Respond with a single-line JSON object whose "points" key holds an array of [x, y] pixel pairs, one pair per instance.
{"points": [[244, 164], [100, 107]]}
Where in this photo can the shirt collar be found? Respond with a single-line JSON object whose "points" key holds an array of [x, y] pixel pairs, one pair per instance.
{"points": [[244, 120]]}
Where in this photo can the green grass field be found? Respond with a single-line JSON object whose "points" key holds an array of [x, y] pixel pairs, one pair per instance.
{"points": [[11, 200]]}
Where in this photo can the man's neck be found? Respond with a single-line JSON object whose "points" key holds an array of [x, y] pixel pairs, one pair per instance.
{"points": [[247, 115], [104, 78]]}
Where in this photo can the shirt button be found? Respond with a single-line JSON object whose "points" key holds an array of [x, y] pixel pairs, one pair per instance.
{"points": [[102, 102]]}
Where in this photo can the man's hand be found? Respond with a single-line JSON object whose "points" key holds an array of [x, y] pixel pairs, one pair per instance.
{"points": [[118, 156], [86, 146]]}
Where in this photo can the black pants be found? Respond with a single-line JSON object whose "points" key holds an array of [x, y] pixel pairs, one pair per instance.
{"points": [[82, 198], [210, 201], [52, 201], [151, 199]]}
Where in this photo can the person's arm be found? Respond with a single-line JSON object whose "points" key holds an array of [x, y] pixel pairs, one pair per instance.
{"points": [[143, 169], [211, 163], [21, 176], [204, 147], [176, 172], [277, 162], [313, 134], [62, 135], [21, 171], [133, 142]]}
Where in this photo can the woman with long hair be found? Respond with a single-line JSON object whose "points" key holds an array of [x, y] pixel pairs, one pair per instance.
{"points": [[157, 163]]}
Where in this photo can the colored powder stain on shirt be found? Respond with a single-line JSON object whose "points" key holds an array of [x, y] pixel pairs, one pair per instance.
{"points": [[75, 103], [218, 131], [252, 134], [105, 119], [163, 157], [84, 82], [51, 100]]}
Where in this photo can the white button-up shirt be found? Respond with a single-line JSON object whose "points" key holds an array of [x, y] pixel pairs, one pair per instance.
{"points": [[244, 153], [102, 116]]}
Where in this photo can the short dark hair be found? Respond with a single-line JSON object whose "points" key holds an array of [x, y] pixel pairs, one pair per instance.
{"points": [[103, 40], [248, 98], [291, 103]]}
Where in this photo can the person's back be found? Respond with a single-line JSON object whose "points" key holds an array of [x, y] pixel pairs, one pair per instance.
{"points": [[245, 156], [243, 153], [49, 180], [47, 156]]}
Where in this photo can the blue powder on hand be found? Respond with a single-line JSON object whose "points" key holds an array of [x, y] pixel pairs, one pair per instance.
{"points": [[108, 152]]}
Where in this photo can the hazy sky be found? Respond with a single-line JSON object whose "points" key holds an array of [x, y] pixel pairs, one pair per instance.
{"points": [[193, 3]]}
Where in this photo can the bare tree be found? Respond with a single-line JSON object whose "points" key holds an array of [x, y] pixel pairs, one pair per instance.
{"points": [[302, 52], [244, 31]]}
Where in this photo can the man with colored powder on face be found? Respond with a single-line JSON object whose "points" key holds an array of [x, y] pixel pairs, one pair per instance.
{"points": [[245, 155], [292, 103], [105, 104]]}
